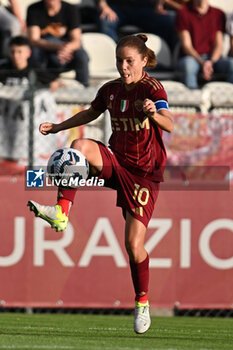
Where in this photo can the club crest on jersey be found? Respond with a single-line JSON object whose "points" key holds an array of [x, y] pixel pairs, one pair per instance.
{"points": [[138, 105], [124, 105]]}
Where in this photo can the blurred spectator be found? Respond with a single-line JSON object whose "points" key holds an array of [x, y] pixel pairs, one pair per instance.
{"points": [[11, 23], [143, 14], [16, 69], [229, 28], [200, 28], [55, 36]]}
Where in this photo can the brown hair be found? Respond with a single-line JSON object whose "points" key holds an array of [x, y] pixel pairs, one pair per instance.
{"points": [[138, 42]]}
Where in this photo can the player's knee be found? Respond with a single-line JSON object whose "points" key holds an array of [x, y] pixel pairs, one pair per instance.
{"points": [[133, 249], [81, 145]]}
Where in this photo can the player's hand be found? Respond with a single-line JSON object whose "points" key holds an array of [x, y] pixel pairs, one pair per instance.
{"points": [[148, 107], [48, 128]]}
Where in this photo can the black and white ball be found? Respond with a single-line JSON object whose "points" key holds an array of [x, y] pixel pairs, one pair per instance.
{"points": [[66, 167]]}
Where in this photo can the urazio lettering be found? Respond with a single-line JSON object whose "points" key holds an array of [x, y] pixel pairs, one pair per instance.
{"points": [[103, 227]]}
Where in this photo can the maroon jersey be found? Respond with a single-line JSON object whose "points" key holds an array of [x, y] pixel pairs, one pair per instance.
{"points": [[136, 140]]}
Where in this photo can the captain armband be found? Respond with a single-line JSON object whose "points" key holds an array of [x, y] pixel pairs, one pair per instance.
{"points": [[161, 104]]}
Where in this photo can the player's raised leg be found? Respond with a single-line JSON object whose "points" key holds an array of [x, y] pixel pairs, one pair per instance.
{"points": [[135, 232], [57, 215], [90, 149]]}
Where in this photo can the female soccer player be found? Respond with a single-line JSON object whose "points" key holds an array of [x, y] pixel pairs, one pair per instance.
{"points": [[133, 162]]}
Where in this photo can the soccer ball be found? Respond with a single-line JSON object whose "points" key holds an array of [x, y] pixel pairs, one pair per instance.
{"points": [[66, 167]]}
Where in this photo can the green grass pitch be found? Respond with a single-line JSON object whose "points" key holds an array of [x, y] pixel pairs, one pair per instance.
{"points": [[104, 332]]}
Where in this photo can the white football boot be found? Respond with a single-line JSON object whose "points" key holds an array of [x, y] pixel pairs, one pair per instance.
{"points": [[142, 319], [52, 214]]}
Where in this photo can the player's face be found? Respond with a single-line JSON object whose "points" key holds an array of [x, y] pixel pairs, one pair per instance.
{"points": [[130, 65], [19, 56]]}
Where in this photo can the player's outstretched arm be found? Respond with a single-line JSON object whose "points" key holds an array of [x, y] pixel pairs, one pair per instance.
{"points": [[78, 119]]}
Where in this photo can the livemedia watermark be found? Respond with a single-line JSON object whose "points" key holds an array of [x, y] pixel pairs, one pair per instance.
{"points": [[41, 179], [176, 178]]}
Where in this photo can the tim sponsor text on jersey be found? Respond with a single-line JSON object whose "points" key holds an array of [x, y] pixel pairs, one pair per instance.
{"points": [[129, 124]]}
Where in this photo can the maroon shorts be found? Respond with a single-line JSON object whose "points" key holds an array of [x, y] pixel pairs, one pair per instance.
{"points": [[135, 194]]}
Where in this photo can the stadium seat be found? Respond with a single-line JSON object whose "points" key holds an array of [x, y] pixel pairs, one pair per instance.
{"points": [[179, 95], [164, 69], [101, 50], [220, 94], [161, 49]]}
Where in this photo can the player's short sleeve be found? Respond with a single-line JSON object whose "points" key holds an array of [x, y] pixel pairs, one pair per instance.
{"points": [[157, 91], [99, 103], [159, 96]]}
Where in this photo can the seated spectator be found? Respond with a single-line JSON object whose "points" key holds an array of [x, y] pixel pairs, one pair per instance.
{"points": [[11, 23], [55, 36], [229, 28], [16, 69], [200, 28], [143, 14]]}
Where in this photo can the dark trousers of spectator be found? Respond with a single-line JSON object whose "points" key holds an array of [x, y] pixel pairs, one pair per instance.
{"points": [[146, 19], [49, 60]]}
